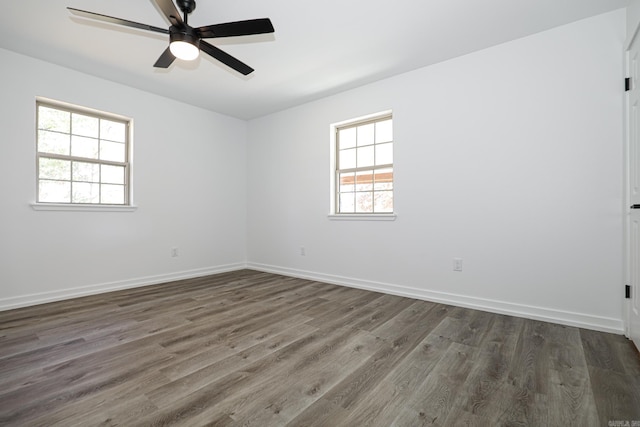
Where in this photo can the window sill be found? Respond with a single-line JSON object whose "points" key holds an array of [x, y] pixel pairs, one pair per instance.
{"points": [[362, 217], [82, 208]]}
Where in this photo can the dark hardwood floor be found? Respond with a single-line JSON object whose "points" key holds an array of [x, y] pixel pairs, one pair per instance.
{"points": [[256, 349]]}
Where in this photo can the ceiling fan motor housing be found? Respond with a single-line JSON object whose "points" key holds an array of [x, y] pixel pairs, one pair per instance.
{"points": [[185, 34]]}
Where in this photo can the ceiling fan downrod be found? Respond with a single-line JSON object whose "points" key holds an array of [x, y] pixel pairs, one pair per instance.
{"points": [[186, 6]]}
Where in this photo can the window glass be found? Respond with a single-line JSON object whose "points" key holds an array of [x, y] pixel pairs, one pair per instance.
{"points": [[364, 166], [82, 156]]}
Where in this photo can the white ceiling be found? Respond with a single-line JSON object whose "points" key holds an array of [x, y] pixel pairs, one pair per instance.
{"points": [[319, 48]]}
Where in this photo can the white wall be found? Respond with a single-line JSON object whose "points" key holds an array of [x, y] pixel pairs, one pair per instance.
{"points": [[633, 20], [510, 158], [189, 182]]}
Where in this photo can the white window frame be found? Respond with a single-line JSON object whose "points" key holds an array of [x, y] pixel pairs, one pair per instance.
{"points": [[77, 206], [333, 206]]}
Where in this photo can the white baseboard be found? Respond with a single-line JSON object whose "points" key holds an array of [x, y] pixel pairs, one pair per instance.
{"points": [[44, 297], [581, 320]]}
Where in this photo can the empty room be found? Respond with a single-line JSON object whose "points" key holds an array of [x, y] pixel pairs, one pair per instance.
{"points": [[320, 213]]}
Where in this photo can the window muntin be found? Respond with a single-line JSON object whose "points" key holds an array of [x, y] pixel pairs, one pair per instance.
{"points": [[82, 156], [364, 166]]}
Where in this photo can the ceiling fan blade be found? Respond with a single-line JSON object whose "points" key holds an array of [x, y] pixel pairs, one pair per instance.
{"points": [[118, 21], [239, 28], [165, 59], [169, 10], [225, 58]]}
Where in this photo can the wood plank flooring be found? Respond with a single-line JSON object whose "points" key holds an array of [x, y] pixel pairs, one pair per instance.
{"points": [[254, 349]]}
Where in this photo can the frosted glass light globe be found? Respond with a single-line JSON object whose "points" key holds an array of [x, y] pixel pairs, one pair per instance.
{"points": [[184, 50]]}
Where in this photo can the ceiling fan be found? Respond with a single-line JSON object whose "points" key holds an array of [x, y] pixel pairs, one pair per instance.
{"points": [[185, 41]]}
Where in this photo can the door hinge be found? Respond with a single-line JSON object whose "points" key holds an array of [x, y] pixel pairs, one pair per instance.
{"points": [[627, 291], [627, 84]]}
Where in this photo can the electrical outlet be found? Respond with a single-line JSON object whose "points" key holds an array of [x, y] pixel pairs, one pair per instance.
{"points": [[303, 252], [174, 252], [457, 264]]}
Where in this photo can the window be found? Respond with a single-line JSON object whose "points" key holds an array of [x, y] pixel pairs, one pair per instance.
{"points": [[364, 166], [82, 156]]}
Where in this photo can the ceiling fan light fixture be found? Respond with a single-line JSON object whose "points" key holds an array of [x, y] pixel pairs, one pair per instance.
{"points": [[184, 46], [184, 50]]}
